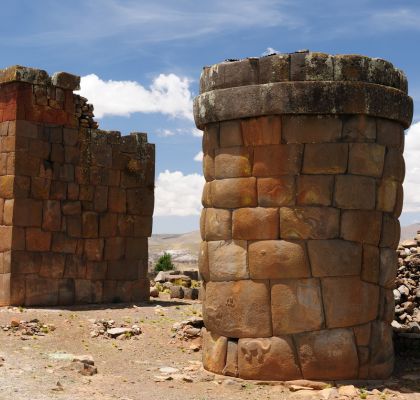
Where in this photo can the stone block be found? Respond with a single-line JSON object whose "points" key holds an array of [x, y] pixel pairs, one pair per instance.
{"points": [[255, 223], [386, 305], [37, 240], [136, 248], [6, 186], [41, 291], [203, 223], [231, 366], [274, 192], [394, 167], [93, 249], [108, 225], [386, 198], [268, 359], [206, 199], [74, 226], [328, 354], [334, 257], [208, 166], [232, 162], [71, 207], [58, 190], [296, 306], [114, 248], [362, 334], [274, 68], [366, 159], [391, 231], [349, 301], [261, 131], [399, 201], [30, 212], [61, 243], [359, 128], [87, 292], [238, 309], [228, 260], [90, 224], [66, 289], [52, 265], [274, 160], [203, 262], [51, 216], [116, 200], [40, 188], [214, 351], [355, 192], [309, 223], [390, 133], [325, 158], [25, 262], [278, 259], [140, 201], [361, 226], [388, 267], [218, 224], [96, 270], [230, 133], [7, 209], [370, 264], [75, 267], [211, 138], [100, 200], [311, 128], [382, 351], [314, 190], [234, 193]]}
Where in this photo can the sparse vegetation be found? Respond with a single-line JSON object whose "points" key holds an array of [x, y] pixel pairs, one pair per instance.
{"points": [[164, 263]]}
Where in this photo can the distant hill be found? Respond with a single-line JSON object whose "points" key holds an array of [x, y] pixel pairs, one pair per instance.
{"points": [[409, 231]]}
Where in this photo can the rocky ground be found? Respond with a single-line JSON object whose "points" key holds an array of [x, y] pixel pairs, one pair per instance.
{"points": [[145, 351]]}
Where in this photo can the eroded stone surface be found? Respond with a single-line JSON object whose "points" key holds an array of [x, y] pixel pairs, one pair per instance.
{"points": [[238, 309], [328, 354], [268, 359]]}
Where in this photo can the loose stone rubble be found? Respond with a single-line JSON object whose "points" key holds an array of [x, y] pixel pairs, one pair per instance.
{"points": [[177, 284], [108, 329], [25, 329], [407, 287], [189, 330]]}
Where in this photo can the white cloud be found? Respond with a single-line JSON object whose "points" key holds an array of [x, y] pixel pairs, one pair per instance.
{"points": [[165, 132], [269, 51], [412, 163], [168, 94], [197, 132], [199, 156], [178, 194]]}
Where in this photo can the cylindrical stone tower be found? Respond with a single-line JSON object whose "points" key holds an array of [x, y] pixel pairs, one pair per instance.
{"points": [[304, 170]]}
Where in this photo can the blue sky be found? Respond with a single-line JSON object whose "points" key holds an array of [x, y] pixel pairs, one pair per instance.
{"points": [[153, 53]]}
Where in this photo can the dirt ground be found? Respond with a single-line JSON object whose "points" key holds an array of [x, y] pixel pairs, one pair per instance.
{"points": [[40, 368]]}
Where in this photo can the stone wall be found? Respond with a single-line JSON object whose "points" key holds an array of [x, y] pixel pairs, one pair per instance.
{"points": [[76, 203], [304, 170]]}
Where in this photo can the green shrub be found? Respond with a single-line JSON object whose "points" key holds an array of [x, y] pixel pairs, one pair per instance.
{"points": [[164, 263]]}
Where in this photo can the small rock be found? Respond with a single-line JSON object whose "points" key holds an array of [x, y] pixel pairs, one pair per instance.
{"points": [[114, 332], [154, 292], [308, 384], [347, 390], [85, 369], [85, 359], [168, 370]]}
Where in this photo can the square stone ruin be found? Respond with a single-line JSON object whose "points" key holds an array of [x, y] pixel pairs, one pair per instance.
{"points": [[76, 202]]}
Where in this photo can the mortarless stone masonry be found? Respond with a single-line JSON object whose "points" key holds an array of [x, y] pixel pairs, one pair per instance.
{"points": [[304, 170], [76, 203]]}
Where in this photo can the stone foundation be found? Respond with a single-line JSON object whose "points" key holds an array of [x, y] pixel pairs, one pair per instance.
{"points": [[76, 203], [304, 170]]}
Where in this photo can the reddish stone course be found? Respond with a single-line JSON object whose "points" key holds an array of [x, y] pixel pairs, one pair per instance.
{"points": [[76, 202]]}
